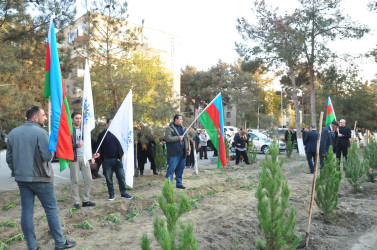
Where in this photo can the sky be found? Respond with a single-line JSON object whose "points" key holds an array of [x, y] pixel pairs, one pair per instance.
{"points": [[208, 27]]}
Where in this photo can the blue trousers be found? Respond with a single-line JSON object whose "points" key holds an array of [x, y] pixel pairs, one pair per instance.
{"points": [[310, 156], [110, 166], [176, 164], [45, 192]]}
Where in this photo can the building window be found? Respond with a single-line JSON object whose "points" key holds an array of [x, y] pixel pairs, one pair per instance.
{"points": [[227, 115], [227, 124]]}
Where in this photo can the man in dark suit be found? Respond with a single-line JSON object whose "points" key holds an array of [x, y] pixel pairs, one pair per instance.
{"points": [[328, 138], [343, 140], [310, 141]]}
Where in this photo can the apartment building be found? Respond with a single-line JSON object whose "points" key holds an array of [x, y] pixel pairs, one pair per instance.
{"points": [[154, 42]]}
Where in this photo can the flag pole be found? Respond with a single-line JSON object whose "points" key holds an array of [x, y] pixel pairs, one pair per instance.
{"points": [[107, 130], [49, 116], [314, 180], [200, 114]]}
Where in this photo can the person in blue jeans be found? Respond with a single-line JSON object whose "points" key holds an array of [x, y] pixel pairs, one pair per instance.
{"points": [[28, 159], [178, 147], [111, 153]]}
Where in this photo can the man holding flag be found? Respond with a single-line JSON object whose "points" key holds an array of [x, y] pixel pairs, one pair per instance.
{"points": [[178, 147]]}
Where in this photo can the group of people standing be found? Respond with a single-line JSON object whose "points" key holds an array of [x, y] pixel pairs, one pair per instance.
{"points": [[29, 160], [336, 135]]}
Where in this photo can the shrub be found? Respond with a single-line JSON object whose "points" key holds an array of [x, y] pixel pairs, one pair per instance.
{"points": [[252, 152], [327, 187], [169, 237], [290, 145], [356, 171], [161, 157], [277, 225], [370, 154]]}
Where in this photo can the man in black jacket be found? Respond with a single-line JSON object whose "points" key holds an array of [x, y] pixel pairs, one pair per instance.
{"points": [[328, 138], [310, 142], [343, 140], [111, 154]]}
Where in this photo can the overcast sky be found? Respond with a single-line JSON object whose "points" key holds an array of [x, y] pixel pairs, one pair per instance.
{"points": [[208, 27]]}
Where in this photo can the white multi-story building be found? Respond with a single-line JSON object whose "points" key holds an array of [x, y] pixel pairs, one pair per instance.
{"points": [[153, 41]]}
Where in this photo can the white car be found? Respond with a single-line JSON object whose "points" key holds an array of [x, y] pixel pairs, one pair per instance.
{"points": [[261, 142], [229, 131]]}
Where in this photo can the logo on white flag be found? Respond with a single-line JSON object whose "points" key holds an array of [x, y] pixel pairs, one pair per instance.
{"points": [[87, 114]]}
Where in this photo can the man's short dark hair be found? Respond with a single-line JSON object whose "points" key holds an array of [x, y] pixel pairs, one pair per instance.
{"points": [[240, 129], [108, 120], [335, 123], [32, 111], [176, 117], [75, 113], [312, 126]]}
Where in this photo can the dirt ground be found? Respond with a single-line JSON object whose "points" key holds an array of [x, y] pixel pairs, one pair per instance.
{"points": [[225, 217]]}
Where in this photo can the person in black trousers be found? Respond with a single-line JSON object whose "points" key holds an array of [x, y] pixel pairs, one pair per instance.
{"points": [[241, 147], [343, 140], [310, 142]]}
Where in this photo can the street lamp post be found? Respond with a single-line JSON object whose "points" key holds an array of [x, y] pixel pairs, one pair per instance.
{"points": [[258, 117]]}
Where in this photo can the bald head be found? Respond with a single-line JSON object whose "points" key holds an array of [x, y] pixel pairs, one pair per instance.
{"points": [[342, 123]]}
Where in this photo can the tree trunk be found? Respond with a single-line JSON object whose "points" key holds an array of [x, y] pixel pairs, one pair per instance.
{"points": [[297, 111], [311, 78]]}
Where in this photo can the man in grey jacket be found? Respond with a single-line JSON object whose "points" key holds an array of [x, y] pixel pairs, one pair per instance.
{"points": [[28, 159], [178, 146]]}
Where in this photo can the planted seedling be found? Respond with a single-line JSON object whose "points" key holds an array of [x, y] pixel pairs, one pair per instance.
{"points": [[85, 225], [8, 223], [8, 206], [112, 218], [132, 215]]}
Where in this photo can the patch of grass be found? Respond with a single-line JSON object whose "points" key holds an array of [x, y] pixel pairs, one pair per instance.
{"points": [[192, 177], [201, 170], [213, 192], [229, 179], [104, 183], [85, 225], [104, 191], [155, 196], [8, 223], [250, 176], [18, 195], [97, 207], [152, 209], [66, 188], [2, 245], [61, 200], [137, 197], [44, 218], [112, 218], [73, 210], [18, 237], [221, 172], [241, 178], [119, 201], [8, 206], [129, 188], [149, 184], [193, 188], [248, 186], [194, 201], [82, 248], [132, 215]]}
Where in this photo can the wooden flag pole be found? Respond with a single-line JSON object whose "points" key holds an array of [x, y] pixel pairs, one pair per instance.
{"points": [[314, 179]]}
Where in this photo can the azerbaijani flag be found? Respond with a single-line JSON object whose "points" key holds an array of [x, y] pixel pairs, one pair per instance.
{"points": [[212, 120], [61, 126], [330, 115]]}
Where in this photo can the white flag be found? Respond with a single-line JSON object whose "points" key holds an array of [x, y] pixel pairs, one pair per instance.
{"points": [[122, 128], [88, 114]]}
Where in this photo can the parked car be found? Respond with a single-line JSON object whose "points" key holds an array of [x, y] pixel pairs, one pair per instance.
{"points": [[229, 131], [261, 142]]}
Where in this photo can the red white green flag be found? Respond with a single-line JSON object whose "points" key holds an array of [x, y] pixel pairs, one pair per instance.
{"points": [[330, 115], [61, 128], [212, 120]]}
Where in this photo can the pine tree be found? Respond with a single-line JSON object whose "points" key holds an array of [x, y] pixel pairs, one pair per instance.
{"points": [[276, 223], [251, 152], [227, 149], [290, 146], [161, 157], [169, 238], [356, 171], [327, 187], [370, 154]]}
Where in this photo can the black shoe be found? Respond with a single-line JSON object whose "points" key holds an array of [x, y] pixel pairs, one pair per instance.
{"points": [[77, 206], [111, 197], [88, 204], [141, 172], [155, 173], [181, 187], [205, 158], [126, 196], [68, 244]]}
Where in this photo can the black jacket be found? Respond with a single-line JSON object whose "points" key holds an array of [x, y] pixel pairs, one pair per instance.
{"points": [[102, 149], [310, 141], [344, 141]]}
